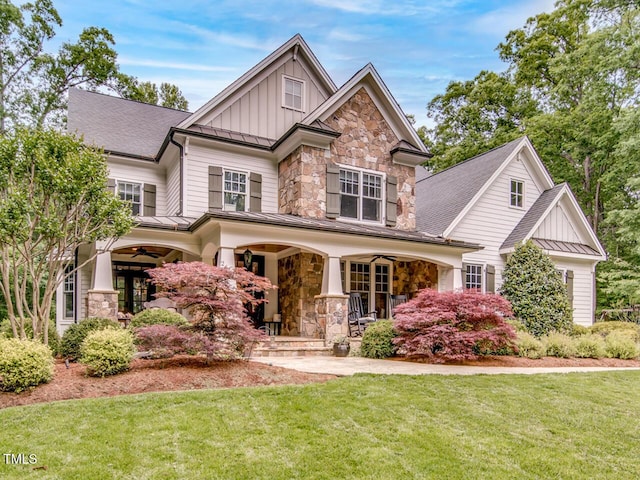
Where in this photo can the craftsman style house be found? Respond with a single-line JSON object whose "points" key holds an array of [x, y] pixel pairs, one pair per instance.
{"points": [[317, 187]]}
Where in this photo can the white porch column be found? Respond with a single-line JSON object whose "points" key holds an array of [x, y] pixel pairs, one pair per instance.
{"points": [[449, 278], [226, 257], [458, 284], [331, 279], [102, 299]]}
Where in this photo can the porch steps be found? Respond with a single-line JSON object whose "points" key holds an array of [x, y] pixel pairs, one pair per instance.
{"points": [[291, 347]]}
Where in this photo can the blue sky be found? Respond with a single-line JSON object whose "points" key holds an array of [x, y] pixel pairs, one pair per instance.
{"points": [[418, 47]]}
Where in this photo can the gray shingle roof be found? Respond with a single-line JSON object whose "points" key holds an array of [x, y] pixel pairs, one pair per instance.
{"points": [[120, 125], [441, 197], [532, 216]]}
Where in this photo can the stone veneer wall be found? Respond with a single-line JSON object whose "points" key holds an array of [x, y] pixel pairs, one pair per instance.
{"points": [[299, 281], [365, 142], [409, 277]]}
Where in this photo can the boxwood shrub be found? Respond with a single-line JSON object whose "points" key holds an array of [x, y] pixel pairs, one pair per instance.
{"points": [[377, 341], [621, 344], [605, 328], [107, 352], [75, 335], [54, 338], [24, 364], [589, 346], [558, 345], [157, 316], [529, 346]]}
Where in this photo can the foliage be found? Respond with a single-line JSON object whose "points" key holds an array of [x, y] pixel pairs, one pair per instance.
{"points": [[24, 364], [107, 352], [558, 345], [529, 346], [54, 339], [340, 340], [449, 325], [605, 328], [536, 291], [589, 346], [74, 335], [164, 341], [377, 341], [217, 299], [578, 330], [52, 200], [621, 344], [167, 95], [157, 316]]}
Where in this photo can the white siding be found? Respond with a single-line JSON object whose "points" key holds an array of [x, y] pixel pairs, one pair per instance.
{"points": [[582, 289], [197, 177], [142, 172], [557, 226], [173, 187], [259, 110], [491, 219]]}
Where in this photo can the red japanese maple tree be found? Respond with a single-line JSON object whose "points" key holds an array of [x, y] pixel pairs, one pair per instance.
{"points": [[445, 326], [217, 299]]}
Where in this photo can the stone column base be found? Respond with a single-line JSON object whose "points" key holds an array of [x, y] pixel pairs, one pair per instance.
{"points": [[331, 314], [102, 303]]}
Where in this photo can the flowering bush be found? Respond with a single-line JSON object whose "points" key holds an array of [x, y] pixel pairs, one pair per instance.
{"points": [[217, 299], [452, 325]]}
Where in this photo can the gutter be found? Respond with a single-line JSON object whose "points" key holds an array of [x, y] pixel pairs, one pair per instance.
{"points": [[181, 149]]}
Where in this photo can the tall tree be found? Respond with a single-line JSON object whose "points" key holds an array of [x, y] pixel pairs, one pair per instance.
{"points": [[167, 95], [52, 200]]}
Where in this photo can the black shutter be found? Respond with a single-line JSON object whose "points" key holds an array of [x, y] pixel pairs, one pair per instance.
{"points": [[392, 200], [464, 275], [255, 191], [333, 191], [215, 188], [570, 286], [149, 198], [490, 279]]}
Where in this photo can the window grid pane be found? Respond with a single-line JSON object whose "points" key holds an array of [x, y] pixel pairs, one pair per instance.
{"points": [[235, 189], [517, 193], [382, 278], [131, 192], [473, 277], [360, 277], [292, 93], [361, 195]]}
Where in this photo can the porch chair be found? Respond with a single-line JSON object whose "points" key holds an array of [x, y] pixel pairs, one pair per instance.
{"points": [[394, 301], [357, 318]]}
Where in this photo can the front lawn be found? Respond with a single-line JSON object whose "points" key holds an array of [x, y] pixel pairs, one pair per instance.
{"points": [[573, 426]]}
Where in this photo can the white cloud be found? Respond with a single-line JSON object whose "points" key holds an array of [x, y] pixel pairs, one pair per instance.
{"points": [[381, 7], [171, 65], [501, 21], [236, 40], [342, 35]]}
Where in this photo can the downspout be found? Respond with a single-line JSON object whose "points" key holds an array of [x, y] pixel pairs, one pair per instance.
{"points": [[181, 148]]}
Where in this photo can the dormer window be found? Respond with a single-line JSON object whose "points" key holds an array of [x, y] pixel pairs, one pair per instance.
{"points": [[292, 93], [516, 197], [360, 195]]}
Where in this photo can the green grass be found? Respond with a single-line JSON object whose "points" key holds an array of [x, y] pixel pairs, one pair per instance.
{"points": [[571, 426]]}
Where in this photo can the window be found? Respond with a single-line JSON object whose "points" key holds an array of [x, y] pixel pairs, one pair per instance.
{"points": [[473, 277], [292, 93], [373, 282], [235, 191], [360, 195], [69, 292], [131, 192], [517, 194]]}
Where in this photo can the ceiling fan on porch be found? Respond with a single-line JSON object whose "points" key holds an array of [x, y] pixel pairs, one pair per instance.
{"points": [[385, 257], [145, 252]]}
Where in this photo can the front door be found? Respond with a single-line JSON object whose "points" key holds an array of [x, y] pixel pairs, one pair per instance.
{"points": [[134, 289], [371, 281]]}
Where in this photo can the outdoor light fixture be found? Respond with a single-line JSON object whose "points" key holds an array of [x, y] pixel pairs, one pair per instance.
{"points": [[248, 256]]}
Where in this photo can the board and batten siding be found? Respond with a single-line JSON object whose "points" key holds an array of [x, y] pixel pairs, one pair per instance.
{"points": [[139, 172], [173, 188], [492, 219], [197, 177], [259, 111], [583, 289], [557, 226]]}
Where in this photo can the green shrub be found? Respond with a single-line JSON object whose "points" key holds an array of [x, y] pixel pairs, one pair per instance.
{"points": [[529, 346], [558, 345], [578, 330], [75, 335], [621, 344], [54, 338], [157, 316], [377, 341], [590, 346], [24, 364], [536, 291], [107, 352], [605, 328]]}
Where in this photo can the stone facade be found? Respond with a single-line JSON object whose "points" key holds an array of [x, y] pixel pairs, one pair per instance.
{"points": [[103, 304], [331, 312], [409, 277], [299, 282], [365, 142]]}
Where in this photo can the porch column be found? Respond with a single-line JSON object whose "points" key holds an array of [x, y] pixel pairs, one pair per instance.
{"points": [[331, 279], [102, 299], [450, 278], [226, 257]]}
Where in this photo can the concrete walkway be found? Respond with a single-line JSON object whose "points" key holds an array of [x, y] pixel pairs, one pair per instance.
{"points": [[352, 365]]}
